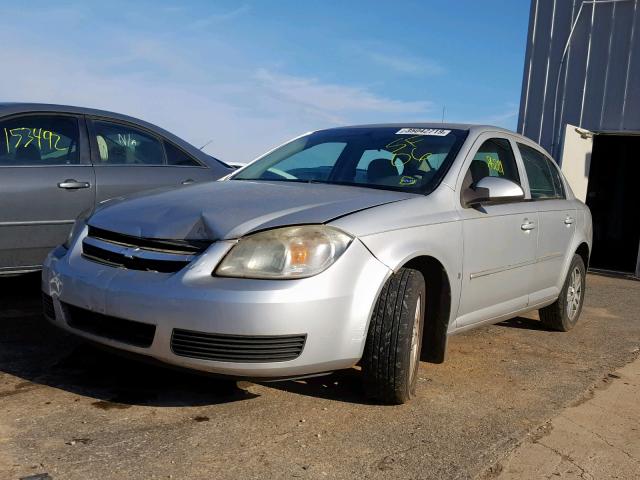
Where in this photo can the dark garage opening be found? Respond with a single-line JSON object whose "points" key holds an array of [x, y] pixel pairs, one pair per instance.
{"points": [[612, 195]]}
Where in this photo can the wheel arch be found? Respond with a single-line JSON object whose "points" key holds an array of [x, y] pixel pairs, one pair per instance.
{"points": [[437, 306], [584, 252], [581, 247]]}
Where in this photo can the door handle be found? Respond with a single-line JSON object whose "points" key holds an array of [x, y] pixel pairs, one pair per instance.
{"points": [[527, 225], [188, 181], [71, 184], [569, 220]]}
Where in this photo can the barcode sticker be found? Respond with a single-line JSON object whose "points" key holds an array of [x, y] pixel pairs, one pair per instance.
{"points": [[437, 132]]}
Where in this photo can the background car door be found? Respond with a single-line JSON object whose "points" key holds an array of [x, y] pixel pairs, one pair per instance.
{"points": [[129, 159], [556, 217], [46, 181], [499, 241]]}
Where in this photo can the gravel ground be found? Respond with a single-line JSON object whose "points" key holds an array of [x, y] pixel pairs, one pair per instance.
{"points": [[76, 412]]}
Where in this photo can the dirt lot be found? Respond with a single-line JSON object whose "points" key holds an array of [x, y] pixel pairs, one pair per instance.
{"points": [[76, 412]]}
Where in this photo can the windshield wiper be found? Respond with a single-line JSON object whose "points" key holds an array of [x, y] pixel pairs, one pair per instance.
{"points": [[292, 180], [328, 182]]}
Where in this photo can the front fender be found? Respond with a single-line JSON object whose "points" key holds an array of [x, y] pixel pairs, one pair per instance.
{"points": [[442, 241]]}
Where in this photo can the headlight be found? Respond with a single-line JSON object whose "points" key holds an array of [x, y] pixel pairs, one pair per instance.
{"points": [[290, 252], [79, 224]]}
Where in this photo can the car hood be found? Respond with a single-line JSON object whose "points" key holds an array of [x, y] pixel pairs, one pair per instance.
{"points": [[231, 209]]}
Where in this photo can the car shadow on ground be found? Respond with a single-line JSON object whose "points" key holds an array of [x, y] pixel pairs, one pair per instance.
{"points": [[525, 323], [35, 351], [341, 386]]}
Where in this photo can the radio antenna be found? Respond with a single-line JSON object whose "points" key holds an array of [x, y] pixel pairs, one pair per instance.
{"points": [[206, 144]]}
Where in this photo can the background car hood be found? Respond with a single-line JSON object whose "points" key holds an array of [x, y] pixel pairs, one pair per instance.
{"points": [[231, 209]]}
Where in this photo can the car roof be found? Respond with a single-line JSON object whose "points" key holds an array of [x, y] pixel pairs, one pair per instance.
{"points": [[12, 108]]}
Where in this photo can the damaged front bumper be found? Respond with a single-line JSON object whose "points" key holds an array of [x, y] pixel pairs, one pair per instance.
{"points": [[230, 326]]}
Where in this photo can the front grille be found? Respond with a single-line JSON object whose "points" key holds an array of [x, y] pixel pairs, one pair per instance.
{"points": [[47, 307], [236, 348], [135, 253], [132, 262], [126, 331]]}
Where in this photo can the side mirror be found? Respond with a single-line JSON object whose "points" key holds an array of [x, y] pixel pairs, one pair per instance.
{"points": [[492, 190]]}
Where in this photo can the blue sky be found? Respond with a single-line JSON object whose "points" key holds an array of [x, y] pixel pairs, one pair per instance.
{"points": [[249, 75]]}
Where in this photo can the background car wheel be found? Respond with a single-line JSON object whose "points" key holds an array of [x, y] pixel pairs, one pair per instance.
{"points": [[563, 314], [392, 352]]}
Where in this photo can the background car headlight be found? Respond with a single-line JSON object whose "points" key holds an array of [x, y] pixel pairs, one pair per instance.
{"points": [[290, 252]]}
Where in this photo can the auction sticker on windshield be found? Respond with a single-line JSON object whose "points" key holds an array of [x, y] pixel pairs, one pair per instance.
{"points": [[437, 132]]}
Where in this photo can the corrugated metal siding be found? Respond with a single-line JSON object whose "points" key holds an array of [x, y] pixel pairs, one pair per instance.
{"points": [[598, 84]]}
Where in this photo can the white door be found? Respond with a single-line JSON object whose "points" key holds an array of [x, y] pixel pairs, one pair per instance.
{"points": [[576, 159]]}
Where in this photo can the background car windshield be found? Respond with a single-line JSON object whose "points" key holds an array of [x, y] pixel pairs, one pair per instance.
{"points": [[407, 159]]}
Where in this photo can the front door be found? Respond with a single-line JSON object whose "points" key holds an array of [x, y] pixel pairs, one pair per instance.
{"points": [[499, 241], [46, 181]]}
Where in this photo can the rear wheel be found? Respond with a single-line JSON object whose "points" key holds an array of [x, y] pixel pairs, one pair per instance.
{"points": [[563, 314], [392, 352]]}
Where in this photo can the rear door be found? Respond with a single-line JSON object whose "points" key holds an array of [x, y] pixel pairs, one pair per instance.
{"points": [[557, 222], [499, 240], [129, 159], [46, 180]]}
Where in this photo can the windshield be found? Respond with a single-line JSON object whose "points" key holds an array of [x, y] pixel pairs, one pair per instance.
{"points": [[392, 158]]}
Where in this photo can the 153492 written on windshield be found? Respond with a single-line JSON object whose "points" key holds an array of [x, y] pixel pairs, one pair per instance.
{"points": [[23, 137]]}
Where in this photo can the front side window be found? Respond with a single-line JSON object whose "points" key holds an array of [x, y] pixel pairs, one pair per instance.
{"points": [[39, 140], [544, 178], [494, 158], [124, 145], [392, 158]]}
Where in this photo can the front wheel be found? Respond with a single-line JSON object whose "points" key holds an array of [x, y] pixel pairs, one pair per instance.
{"points": [[563, 314], [392, 351]]}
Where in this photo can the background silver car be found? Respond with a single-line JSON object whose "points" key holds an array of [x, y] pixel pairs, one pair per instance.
{"points": [[57, 161], [364, 244]]}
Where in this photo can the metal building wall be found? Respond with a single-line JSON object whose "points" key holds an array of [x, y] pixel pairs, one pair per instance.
{"points": [[592, 81]]}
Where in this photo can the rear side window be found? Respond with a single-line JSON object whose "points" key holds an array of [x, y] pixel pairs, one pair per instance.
{"points": [[544, 178], [125, 145], [557, 178], [176, 156], [494, 158], [38, 140]]}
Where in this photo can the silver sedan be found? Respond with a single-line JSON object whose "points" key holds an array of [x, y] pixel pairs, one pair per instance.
{"points": [[368, 244]]}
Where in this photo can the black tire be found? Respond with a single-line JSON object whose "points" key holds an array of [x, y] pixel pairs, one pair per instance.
{"points": [[389, 369], [559, 315]]}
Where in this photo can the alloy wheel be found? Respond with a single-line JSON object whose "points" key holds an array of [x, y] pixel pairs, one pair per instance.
{"points": [[574, 293]]}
